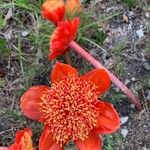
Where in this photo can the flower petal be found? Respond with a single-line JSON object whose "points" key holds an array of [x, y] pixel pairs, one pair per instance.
{"points": [[5, 148], [53, 10], [46, 141], [108, 121], [63, 34], [23, 140], [30, 100], [27, 133], [61, 70], [94, 142], [100, 78]]}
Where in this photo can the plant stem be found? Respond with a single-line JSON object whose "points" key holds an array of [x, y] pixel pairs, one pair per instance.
{"points": [[67, 58], [113, 78]]}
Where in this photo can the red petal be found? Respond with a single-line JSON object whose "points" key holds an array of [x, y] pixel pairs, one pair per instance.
{"points": [[46, 142], [108, 120], [21, 133], [63, 34], [30, 100], [62, 70], [5, 148], [23, 138], [94, 142], [53, 10], [100, 78]]}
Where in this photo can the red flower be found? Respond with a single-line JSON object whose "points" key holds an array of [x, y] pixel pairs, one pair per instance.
{"points": [[70, 109], [53, 10], [62, 36], [23, 141], [73, 6]]}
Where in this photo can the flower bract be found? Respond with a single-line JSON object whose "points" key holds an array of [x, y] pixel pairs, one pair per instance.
{"points": [[70, 108]]}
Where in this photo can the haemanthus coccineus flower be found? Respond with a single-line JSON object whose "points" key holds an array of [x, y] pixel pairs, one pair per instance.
{"points": [[70, 109], [64, 33], [23, 141], [53, 10]]}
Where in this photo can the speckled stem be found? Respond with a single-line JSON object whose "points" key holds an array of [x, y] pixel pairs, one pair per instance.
{"points": [[73, 45]]}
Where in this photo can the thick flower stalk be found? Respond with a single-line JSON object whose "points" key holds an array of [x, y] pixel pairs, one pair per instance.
{"points": [[23, 141], [61, 40], [70, 108]]}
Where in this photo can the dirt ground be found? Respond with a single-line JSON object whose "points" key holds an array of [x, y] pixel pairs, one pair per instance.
{"points": [[125, 51]]}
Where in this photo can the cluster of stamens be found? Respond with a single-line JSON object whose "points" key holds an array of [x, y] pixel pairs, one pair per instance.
{"points": [[69, 109]]}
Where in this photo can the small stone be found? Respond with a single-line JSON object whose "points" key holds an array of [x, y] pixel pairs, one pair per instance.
{"points": [[131, 14], [147, 15], [132, 106], [140, 33], [124, 132], [146, 66], [133, 79], [127, 81], [124, 119], [148, 96], [24, 33], [130, 25], [117, 89]]}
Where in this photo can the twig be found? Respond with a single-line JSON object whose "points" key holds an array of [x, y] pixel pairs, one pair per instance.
{"points": [[2, 132], [12, 104], [146, 107], [92, 42]]}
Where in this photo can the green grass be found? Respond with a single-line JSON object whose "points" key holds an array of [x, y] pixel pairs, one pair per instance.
{"points": [[13, 121], [90, 23], [37, 41], [14, 114], [4, 51], [147, 50], [146, 83], [130, 3], [112, 140], [2, 21], [2, 82], [119, 67]]}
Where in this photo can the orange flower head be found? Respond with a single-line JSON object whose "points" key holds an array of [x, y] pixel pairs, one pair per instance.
{"points": [[62, 36], [23, 141], [53, 10], [70, 109], [73, 6]]}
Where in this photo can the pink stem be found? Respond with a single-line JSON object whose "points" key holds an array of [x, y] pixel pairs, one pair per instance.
{"points": [[114, 79]]}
